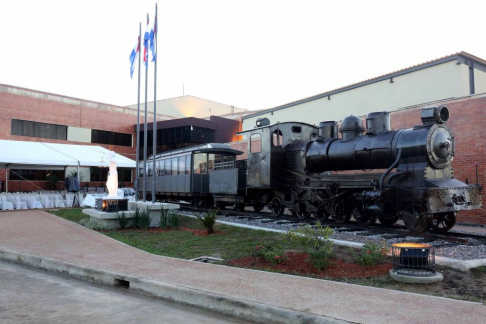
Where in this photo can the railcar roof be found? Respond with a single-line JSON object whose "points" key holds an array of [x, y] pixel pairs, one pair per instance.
{"points": [[284, 123], [215, 148]]}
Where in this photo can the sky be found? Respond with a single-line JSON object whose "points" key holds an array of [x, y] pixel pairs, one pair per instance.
{"points": [[249, 54]]}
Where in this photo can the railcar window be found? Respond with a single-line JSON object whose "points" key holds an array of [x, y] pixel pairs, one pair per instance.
{"points": [[255, 143], [160, 167], [211, 158], [277, 138], [167, 167], [174, 166], [296, 129], [182, 164], [188, 164], [150, 169], [200, 163]]}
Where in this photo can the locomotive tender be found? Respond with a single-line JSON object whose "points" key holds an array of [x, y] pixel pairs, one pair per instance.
{"points": [[293, 165]]}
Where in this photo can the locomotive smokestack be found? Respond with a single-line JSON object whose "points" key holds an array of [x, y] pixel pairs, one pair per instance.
{"points": [[328, 129], [377, 122]]}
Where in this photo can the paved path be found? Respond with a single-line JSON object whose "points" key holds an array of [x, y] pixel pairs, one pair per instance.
{"points": [[35, 296], [42, 234]]}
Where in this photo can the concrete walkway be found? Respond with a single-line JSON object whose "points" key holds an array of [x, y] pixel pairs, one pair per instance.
{"points": [[43, 235]]}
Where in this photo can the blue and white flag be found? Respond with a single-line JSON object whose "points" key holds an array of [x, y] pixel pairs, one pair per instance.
{"points": [[153, 32], [133, 57], [146, 40]]}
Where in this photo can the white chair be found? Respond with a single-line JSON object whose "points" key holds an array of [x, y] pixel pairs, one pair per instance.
{"points": [[32, 202], [58, 201], [46, 203], [19, 204], [6, 205]]}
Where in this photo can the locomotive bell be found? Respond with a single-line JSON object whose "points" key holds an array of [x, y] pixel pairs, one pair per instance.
{"points": [[351, 127], [328, 129], [377, 122]]}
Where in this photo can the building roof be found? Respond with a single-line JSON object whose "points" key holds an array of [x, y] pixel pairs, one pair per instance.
{"points": [[460, 57]]}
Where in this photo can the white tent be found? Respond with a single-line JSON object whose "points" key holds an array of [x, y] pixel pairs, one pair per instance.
{"points": [[37, 155]]}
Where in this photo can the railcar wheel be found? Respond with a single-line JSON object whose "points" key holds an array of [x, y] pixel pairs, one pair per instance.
{"points": [[276, 206], [388, 220], [321, 215], [362, 218], [442, 223], [340, 216], [257, 208], [415, 218]]}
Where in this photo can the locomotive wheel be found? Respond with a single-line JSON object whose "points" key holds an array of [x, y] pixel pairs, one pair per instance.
{"points": [[320, 215], [257, 208], [415, 218], [443, 222], [340, 217], [388, 220], [363, 219], [277, 207], [303, 214]]}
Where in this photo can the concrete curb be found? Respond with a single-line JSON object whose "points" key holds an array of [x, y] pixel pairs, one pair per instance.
{"points": [[249, 310], [462, 265]]}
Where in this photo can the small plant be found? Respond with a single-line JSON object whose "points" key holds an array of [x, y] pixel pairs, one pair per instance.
{"points": [[208, 220], [315, 241], [173, 220], [372, 253], [122, 220], [273, 254], [164, 218], [136, 216], [144, 219]]}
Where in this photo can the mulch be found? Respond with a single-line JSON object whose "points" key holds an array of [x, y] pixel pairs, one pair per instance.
{"points": [[296, 263]]}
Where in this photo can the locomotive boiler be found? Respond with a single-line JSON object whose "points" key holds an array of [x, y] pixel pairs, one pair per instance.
{"points": [[312, 171]]}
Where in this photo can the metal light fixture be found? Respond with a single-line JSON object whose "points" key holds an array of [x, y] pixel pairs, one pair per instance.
{"points": [[413, 259]]}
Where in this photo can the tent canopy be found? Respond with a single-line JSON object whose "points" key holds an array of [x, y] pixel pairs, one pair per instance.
{"points": [[37, 155]]}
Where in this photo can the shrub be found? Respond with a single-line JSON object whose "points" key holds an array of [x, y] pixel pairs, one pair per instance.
{"points": [[173, 220], [122, 220], [164, 218], [91, 224], [141, 218], [372, 253], [273, 254], [208, 220], [315, 241]]}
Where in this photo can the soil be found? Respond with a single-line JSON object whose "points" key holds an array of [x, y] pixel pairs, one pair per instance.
{"points": [[296, 263], [197, 232], [470, 285]]}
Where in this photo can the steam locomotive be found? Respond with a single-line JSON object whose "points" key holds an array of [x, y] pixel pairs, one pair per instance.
{"points": [[309, 170]]}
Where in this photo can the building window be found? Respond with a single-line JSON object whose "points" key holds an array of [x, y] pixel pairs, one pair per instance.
{"points": [[110, 138], [42, 130], [36, 175]]}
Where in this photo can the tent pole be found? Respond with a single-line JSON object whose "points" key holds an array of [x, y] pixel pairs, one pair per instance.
{"points": [[6, 180]]}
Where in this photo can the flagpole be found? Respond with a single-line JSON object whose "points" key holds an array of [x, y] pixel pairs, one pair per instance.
{"points": [[145, 130], [137, 144], [154, 179]]}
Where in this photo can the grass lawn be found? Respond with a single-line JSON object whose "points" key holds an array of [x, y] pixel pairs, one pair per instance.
{"points": [[235, 243]]}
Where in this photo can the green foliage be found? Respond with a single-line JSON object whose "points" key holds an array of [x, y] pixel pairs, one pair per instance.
{"points": [[372, 253], [272, 253], [315, 241], [73, 215], [174, 220], [122, 220], [141, 218], [208, 220], [169, 219]]}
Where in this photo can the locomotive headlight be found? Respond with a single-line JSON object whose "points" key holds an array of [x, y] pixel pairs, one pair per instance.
{"points": [[440, 146]]}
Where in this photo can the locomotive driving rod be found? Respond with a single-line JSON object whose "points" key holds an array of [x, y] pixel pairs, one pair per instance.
{"points": [[382, 178]]}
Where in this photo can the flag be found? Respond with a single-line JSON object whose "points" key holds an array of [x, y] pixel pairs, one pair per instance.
{"points": [[134, 56], [146, 39], [153, 31]]}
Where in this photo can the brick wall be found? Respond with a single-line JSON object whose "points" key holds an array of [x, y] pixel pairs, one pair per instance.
{"points": [[468, 124], [46, 108]]}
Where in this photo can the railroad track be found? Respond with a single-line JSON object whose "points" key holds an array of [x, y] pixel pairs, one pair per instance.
{"points": [[387, 232]]}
